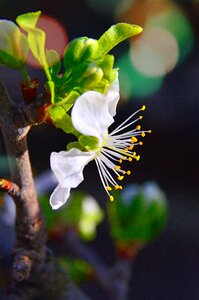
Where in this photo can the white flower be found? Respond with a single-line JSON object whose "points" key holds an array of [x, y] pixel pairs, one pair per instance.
{"points": [[91, 115]]}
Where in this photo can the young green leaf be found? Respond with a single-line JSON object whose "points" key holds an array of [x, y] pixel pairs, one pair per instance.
{"points": [[115, 35], [36, 38]]}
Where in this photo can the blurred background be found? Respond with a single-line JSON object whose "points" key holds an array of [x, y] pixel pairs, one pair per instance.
{"points": [[159, 68]]}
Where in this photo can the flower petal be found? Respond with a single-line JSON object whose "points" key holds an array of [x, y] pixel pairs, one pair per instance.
{"points": [[90, 114], [68, 166], [113, 96], [59, 196]]}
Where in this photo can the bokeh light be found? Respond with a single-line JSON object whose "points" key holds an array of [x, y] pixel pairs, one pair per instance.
{"points": [[155, 53], [56, 37], [134, 83], [175, 21]]}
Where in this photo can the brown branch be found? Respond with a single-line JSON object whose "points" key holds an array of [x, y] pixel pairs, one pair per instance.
{"points": [[30, 230], [10, 187]]}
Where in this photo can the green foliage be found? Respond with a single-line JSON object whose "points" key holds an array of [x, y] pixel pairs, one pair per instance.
{"points": [[78, 269], [87, 64], [138, 215], [13, 45]]}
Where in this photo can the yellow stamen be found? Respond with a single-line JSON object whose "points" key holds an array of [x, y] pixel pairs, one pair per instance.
{"points": [[111, 198], [120, 160], [143, 134], [140, 143], [120, 177], [140, 117], [133, 139], [130, 159], [117, 168], [143, 107], [138, 127], [128, 172], [109, 188]]}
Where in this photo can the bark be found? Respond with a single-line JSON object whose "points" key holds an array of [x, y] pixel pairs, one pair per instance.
{"points": [[31, 237]]}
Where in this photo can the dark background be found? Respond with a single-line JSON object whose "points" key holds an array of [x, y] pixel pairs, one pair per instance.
{"points": [[168, 268]]}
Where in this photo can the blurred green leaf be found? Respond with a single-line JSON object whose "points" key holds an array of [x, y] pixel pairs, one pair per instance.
{"points": [[138, 214]]}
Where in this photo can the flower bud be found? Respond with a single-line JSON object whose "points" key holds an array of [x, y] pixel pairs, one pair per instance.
{"points": [[139, 214], [79, 50]]}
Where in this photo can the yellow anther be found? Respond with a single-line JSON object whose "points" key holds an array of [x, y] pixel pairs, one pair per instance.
{"points": [[143, 107], [143, 134], [140, 143], [120, 177], [123, 172], [111, 198], [116, 187], [131, 147], [137, 157], [133, 139], [128, 172], [109, 188], [138, 127], [140, 117], [134, 153], [149, 131], [117, 168], [124, 157], [120, 160], [130, 159]]}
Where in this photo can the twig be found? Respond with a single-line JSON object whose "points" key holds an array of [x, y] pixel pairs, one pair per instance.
{"points": [[114, 280]]}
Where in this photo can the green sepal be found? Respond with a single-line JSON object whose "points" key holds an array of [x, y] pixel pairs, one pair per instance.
{"points": [[107, 66], [67, 101], [115, 35], [13, 45], [92, 80], [88, 142], [76, 145], [61, 119]]}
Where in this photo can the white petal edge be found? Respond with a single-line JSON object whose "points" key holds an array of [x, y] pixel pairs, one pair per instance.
{"points": [[59, 197], [68, 166], [113, 96], [90, 114]]}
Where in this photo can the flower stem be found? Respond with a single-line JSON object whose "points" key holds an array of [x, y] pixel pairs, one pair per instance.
{"points": [[25, 76]]}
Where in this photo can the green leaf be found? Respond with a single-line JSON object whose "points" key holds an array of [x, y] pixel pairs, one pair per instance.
{"points": [[28, 20], [13, 45], [88, 142], [36, 38], [115, 35]]}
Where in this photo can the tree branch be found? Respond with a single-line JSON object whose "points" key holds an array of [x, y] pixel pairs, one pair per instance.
{"points": [[30, 230]]}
